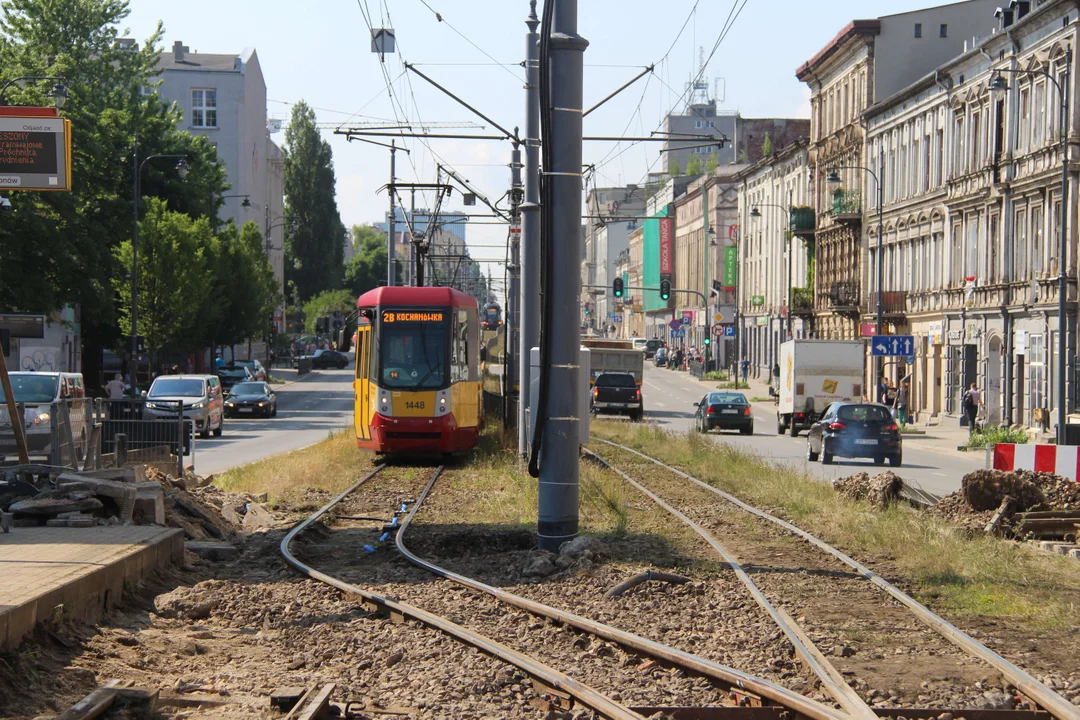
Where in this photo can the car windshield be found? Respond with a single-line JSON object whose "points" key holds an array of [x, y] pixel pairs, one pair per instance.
{"points": [[653, 344], [727, 399], [32, 388], [176, 387], [623, 381], [412, 349], [249, 388], [863, 413]]}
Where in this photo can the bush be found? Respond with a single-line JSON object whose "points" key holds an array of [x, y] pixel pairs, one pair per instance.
{"points": [[714, 375], [988, 437]]}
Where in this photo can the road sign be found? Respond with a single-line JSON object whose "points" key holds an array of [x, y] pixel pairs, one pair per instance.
{"points": [[674, 325], [687, 317], [686, 321], [718, 317], [36, 151], [618, 318], [718, 330], [680, 333], [729, 331], [892, 346]]}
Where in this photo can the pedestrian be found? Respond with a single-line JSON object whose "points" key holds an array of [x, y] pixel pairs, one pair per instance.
{"points": [[882, 390], [115, 387], [189, 368], [219, 362], [971, 403], [890, 393], [744, 366], [900, 404]]}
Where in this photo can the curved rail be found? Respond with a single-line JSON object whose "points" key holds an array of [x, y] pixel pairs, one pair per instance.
{"points": [[1050, 701], [708, 668], [560, 681], [830, 677]]}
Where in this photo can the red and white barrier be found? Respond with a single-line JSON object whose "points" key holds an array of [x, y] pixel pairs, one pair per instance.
{"points": [[1063, 460]]}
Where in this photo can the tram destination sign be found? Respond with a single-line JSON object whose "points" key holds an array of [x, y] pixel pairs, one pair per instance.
{"points": [[35, 153]]}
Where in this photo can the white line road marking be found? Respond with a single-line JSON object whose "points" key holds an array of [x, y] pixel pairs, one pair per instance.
{"points": [[941, 474]]}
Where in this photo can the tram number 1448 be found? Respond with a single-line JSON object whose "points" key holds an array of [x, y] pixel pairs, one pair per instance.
{"points": [[418, 405]]}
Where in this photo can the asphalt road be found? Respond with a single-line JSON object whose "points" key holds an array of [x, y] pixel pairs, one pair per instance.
{"points": [[308, 411], [669, 401]]}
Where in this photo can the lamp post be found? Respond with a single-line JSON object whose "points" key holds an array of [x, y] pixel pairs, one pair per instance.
{"points": [[833, 181], [181, 170], [756, 213], [213, 214], [1000, 87], [58, 92]]}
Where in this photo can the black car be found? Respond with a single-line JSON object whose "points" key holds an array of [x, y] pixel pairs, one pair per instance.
{"points": [[251, 398], [724, 411], [231, 375], [323, 359], [615, 392], [855, 430]]}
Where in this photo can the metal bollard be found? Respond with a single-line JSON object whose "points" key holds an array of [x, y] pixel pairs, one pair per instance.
{"points": [[121, 450]]}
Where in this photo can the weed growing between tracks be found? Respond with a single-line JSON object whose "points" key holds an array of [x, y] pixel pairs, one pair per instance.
{"points": [[967, 576]]}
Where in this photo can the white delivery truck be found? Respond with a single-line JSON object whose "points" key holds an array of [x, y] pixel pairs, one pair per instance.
{"points": [[814, 373], [615, 356]]}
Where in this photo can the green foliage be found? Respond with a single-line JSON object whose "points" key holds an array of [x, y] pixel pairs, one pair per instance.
{"points": [[714, 375], [767, 146], [988, 437], [693, 166], [325, 303], [174, 280], [247, 290], [674, 168], [712, 163], [367, 268], [314, 253]]}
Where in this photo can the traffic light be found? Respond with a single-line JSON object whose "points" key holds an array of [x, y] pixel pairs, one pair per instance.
{"points": [[617, 287], [665, 289], [707, 340]]}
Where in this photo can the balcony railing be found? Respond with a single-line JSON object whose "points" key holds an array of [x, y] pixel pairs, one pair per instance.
{"points": [[802, 301], [803, 222], [844, 296], [847, 205], [893, 302]]}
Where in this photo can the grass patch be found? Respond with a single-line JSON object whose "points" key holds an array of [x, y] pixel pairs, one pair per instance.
{"points": [[714, 375], [333, 464], [761, 399], [968, 576], [988, 437]]}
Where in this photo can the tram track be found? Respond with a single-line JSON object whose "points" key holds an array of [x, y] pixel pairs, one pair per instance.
{"points": [[644, 466]]}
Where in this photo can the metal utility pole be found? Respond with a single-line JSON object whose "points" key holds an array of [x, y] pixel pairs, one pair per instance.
{"points": [[557, 520], [390, 224], [529, 332], [706, 341], [513, 293]]}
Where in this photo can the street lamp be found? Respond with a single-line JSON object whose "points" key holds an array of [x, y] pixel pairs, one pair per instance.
{"points": [[58, 92], [833, 180], [1000, 87], [182, 170], [755, 212]]}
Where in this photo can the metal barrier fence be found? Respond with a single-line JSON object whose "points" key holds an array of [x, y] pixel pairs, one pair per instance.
{"points": [[131, 432], [62, 434]]}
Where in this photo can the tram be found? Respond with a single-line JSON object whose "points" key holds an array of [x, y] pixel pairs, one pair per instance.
{"points": [[492, 316], [417, 386]]}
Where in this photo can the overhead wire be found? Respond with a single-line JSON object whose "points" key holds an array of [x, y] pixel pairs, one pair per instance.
{"points": [[441, 19]]}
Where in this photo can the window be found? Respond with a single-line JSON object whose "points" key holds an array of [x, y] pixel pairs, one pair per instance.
{"points": [[1038, 130], [918, 30], [1019, 254], [992, 250], [943, 30], [1036, 240], [1037, 371], [1025, 118], [204, 107]]}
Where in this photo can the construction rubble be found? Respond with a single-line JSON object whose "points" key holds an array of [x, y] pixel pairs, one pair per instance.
{"points": [[879, 490], [1022, 504]]}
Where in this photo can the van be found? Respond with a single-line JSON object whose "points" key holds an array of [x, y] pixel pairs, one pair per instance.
{"points": [[201, 396], [39, 393]]}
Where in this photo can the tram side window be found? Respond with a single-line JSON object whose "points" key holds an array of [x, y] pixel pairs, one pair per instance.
{"points": [[459, 353]]}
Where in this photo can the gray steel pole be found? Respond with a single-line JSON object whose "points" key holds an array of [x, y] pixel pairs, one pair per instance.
{"points": [[133, 365], [1063, 278], [557, 520], [529, 333], [390, 224], [707, 340], [880, 259], [513, 295]]}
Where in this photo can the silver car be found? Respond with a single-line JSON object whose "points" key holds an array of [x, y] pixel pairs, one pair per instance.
{"points": [[201, 396]]}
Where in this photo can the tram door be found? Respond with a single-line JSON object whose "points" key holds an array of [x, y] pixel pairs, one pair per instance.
{"points": [[362, 384]]}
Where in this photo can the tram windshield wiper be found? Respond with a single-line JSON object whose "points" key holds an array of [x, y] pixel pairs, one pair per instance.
{"points": [[429, 373]]}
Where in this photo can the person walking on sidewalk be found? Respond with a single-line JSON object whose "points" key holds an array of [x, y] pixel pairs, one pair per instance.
{"points": [[744, 367], [971, 403], [900, 404]]}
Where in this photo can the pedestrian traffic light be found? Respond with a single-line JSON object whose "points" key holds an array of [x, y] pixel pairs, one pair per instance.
{"points": [[707, 341], [665, 289], [617, 287]]}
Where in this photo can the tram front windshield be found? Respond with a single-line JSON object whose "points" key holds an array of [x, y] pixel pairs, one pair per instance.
{"points": [[412, 350]]}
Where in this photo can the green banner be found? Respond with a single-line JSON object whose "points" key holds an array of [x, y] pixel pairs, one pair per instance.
{"points": [[757, 299], [731, 268]]}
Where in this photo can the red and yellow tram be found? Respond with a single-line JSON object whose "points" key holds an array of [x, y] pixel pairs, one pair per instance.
{"points": [[417, 386]]}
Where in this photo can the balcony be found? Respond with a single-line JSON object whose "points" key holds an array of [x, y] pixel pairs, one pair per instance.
{"points": [[802, 301], [847, 206], [844, 297], [803, 222], [893, 302]]}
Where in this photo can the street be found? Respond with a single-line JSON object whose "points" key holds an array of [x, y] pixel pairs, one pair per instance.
{"points": [[308, 410], [669, 401]]}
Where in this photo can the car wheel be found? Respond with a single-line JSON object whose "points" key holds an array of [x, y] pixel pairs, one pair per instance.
{"points": [[896, 460], [220, 427], [747, 431], [273, 413], [826, 456], [811, 456], [879, 459], [205, 434], [781, 428], [794, 430]]}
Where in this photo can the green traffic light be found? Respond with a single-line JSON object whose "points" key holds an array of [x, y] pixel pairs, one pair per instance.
{"points": [[708, 341]]}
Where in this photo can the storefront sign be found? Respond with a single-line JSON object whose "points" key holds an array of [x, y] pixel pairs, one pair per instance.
{"points": [[757, 299], [762, 319], [667, 230], [1021, 342], [867, 330], [937, 333], [35, 151], [731, 268]]}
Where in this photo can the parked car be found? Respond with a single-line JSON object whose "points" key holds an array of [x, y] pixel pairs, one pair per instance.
{"points": [[323, 359], [660, 358], [200, 394], [855, 430], [251, 398], [39, 392], [258, 372], [617, 393], [651, 346], [724, 411], [232, 374]]}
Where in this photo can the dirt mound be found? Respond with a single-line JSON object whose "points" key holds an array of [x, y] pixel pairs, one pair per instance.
{"points": [[879, 490], [205, 512], [982, 493], [985, 489]]}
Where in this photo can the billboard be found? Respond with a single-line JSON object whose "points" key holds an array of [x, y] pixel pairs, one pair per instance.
{"points": [[35, 150], [667, 230]]}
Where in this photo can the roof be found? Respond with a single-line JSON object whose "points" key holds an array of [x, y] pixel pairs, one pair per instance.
{"points": [[419, 296], [199, 62], [853, 28]]}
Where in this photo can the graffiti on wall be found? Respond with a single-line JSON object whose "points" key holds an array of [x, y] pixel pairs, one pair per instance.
{"points": [[40, 359]]}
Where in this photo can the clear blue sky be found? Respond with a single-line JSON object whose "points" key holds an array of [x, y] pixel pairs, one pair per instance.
{"points": [[319, 51]]}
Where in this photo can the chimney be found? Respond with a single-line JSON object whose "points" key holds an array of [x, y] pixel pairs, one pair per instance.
{"points": [[179, 49], [1005, 18], [1020, 8]]}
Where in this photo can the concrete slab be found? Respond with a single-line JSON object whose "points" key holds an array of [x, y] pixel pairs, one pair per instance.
{"points": [[75, 573]]}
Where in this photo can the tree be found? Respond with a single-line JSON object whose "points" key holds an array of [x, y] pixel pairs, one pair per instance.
{"points": [[326, 304], [767, 146], [674, 169], [173, 279], [367, 268], [693, 166], [247, 290], [315, 252], [712, 163]]}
